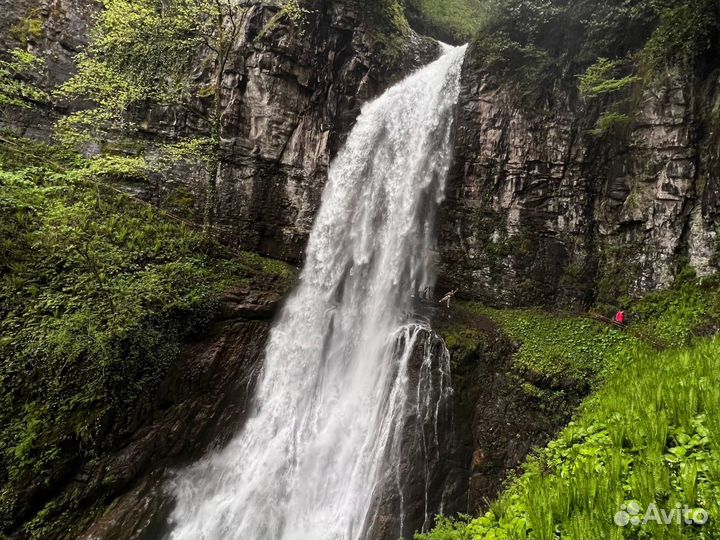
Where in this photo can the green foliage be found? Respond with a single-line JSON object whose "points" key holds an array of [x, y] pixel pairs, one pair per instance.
{"points": [[602, 79], [648, 436], [291, 10], [599, 78], [27, 28], [463, 343], [143, 52], [686, 32], [113, 91], [97, 294], [524, 69], [110, 167], [454, 21], [611, 121], [550, 41], [559, 358], [197, 149], [677, 315], [449, 529], [15, 88], [139, 51], [554, 346], [388, 26]]}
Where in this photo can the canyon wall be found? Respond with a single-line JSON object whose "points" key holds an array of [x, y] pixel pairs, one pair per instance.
{"points": [[293, 95], [539, 210]]}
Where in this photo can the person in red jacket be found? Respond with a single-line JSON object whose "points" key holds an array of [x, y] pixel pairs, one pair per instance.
{"points": [[619, 318]]}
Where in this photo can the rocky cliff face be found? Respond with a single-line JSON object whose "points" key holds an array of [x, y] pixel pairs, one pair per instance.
{"points": [[539, 211], [293, 95], [292, 91], [430, 475], [55, 31], [455, 447]]}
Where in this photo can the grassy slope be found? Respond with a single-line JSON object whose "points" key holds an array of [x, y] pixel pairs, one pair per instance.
{"points": [[97, 294], [454, 21], [560, 359], [649, 434]]}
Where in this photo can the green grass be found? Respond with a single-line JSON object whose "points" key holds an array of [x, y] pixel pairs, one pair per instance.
{"points": [[650, 435], [553, 345], [559, 358], [97, 294], [677, 315], [455, 21]]}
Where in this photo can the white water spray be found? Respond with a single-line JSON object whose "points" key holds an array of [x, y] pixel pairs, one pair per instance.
{"points": [[324, 436]]}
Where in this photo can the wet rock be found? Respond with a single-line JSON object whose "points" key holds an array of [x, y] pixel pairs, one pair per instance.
{"points": [[425, 479], [496, 423], [538, 211], [247, 303], [294, 94]]}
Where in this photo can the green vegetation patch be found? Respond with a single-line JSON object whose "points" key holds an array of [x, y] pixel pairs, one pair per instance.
{"points": [[676, 316], [558, 360], [531, 45], [97, 294], [648, 437], [463, 343], [554, 346], [388, 27], [453, 21]]}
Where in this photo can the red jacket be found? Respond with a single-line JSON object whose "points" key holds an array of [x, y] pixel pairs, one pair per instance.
{"points": [[620, 317]]}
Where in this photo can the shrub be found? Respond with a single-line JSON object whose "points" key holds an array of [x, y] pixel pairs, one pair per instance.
{"points": [[686, 32]]}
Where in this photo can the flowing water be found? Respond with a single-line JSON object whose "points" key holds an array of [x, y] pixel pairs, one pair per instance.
{"points": [[330, 415]]}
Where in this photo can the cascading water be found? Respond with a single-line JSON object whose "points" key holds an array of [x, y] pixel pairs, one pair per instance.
{"points": [[333, 403]]}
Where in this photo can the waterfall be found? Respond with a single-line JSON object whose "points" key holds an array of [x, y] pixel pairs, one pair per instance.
{"points": [[325, 436]]}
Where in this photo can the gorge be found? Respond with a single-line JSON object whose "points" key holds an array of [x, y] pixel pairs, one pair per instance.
{"points": [[227, 225]]}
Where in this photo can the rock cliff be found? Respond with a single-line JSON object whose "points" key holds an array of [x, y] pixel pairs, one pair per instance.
{"points": [[293, 95], [537, 211], [55, 31], [541, 211], [291, 91]]}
